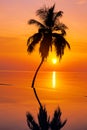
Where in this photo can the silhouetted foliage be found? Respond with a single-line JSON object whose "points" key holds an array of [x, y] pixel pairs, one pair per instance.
{"points": [[44, 122], [45, 35], [50, 33], [43, 119], [56, 123]]}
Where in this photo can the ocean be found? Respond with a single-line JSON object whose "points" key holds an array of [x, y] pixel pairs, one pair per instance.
{"points": [[67, 90]]}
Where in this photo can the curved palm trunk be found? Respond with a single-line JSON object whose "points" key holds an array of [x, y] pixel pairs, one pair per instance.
{"points": [[34, 82], [37, 97]]}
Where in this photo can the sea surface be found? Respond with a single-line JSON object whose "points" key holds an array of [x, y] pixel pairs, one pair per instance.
{"points": [[67, 90]]}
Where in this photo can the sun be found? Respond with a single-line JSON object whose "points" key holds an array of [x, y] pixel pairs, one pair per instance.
{"points": [[54, 60]]}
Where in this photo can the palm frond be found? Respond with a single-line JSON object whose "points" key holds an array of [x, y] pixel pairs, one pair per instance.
{"points": [[63, 123], [63, 32], [56, 123], [43, 119], [30, 48], [42, 12], [49, 21], [32, 41], [60, 27], [44, 122], [31, 122], [57, 15], [45, 45], [60, 43], [47, 15], [33, 21]]}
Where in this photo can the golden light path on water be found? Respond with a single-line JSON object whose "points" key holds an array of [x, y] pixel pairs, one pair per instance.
{"points": [[54, 79]]}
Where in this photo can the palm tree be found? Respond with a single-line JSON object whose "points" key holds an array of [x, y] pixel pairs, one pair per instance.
{"points": [[44, 122], [50, 32]]}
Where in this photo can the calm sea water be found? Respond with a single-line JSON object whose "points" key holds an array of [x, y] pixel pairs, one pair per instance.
{"points": [[68, 90]]}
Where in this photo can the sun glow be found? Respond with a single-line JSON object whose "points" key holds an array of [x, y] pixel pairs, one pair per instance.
{"points": [[54, 79], [54, 60]]}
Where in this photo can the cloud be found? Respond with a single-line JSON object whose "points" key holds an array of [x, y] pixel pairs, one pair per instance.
{"points": [[7, 100], [82, 2], [5, 84]]}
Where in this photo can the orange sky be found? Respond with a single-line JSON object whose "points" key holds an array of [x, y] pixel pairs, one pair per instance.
{"points": [[14, 32]]}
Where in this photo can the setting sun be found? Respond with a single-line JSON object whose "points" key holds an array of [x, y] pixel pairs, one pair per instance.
{"points": [[54, 61]]}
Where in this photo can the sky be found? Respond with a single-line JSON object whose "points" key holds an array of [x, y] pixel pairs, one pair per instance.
{"points": [[14, 32]]}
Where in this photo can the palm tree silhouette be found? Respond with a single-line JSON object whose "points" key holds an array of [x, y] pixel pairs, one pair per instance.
{"points": [[44, 122], [50, 32]]}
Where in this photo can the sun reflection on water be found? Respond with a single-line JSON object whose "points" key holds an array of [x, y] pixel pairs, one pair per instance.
{"points": [[54, 79]]}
